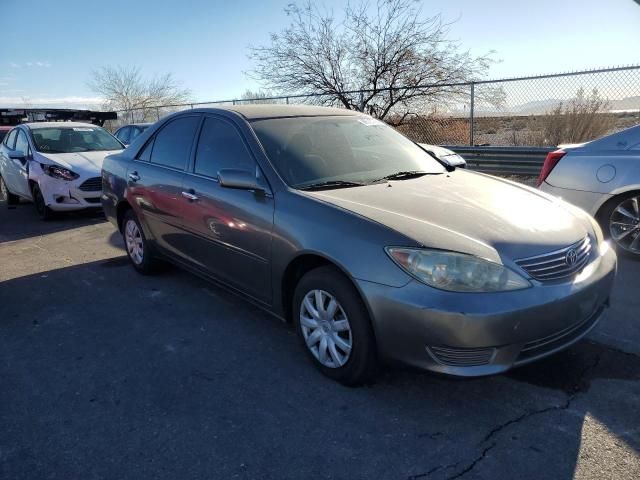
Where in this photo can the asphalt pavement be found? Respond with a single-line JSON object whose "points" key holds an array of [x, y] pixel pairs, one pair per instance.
{"points": [[108, 374]]}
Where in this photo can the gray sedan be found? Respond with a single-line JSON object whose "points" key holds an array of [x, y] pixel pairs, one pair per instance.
{"points": [[603, 178], [373, 249]]}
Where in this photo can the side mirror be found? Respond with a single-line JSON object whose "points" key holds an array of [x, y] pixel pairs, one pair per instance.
{"points": [[18, 155], [241, 179], [454, 160]]}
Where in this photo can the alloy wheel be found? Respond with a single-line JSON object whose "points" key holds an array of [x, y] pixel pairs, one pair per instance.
{"points": [[133, 239], [325, 328], [624, 224]]}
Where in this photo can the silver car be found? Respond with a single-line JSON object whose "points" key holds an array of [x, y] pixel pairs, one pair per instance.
{"points": [[369, 245], [603, 178]]}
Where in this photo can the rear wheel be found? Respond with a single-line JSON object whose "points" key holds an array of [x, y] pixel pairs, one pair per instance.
{"points": [[43, 210], [136, 244], [10, 198], [620, 220], [334, 326]]}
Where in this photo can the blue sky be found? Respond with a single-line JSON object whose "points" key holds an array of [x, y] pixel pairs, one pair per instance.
{"points": [[48, 54]]}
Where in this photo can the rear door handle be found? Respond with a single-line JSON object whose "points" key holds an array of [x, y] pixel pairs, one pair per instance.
{"points": [[134, 177], [190, 196]]}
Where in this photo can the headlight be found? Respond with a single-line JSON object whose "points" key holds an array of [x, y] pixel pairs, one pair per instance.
{"points": [[58, 172], [456, 272]]}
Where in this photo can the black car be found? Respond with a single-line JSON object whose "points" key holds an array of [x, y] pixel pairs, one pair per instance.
{"points": [[128, 133]]}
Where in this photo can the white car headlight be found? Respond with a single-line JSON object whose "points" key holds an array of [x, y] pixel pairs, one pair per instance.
{"points": [[456, 272], [56, 171]]}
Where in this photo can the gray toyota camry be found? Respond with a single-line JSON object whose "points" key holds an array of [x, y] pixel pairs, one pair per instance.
{"points": [[375, 250]]}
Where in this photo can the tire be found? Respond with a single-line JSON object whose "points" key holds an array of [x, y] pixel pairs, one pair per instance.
{"points": [[136, 245], [44, 212], [622, 229], [7, 195], [351, 367]]}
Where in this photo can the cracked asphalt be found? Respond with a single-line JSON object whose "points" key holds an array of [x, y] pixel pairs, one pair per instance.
{"points": [[107, 374]]}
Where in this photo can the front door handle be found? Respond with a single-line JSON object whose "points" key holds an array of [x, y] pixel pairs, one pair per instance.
{"points": [[190, 196], [134, 177]]}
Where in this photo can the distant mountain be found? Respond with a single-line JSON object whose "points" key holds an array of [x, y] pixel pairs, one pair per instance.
{"points": [[544, 106], [629, 103]]}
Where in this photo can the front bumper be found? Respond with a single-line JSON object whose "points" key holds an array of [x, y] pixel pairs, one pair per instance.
{"points": [[473, 334], [60, 195]]}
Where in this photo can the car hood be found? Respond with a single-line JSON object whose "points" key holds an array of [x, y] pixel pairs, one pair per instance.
{"points": [[466, 212], [83, 163]]}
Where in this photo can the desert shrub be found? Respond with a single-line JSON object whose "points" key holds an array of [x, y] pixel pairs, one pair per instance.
{"points": [[436, 130], [488, 125], [583, 118], [520, 124]]}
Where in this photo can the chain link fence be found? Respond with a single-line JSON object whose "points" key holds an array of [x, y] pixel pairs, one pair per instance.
{"points": [[540, 111]]}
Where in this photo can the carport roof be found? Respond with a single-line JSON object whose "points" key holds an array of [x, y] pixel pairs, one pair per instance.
{"points": [[37, 125]]}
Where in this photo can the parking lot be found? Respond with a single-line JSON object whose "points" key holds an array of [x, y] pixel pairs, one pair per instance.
{"points": [[109, 374]]}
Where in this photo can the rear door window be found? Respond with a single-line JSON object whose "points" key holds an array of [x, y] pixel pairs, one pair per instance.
{"points": [[145, 154], [172, 144]]}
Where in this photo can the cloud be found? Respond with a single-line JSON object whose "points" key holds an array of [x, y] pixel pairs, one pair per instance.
{"points": [[52, 102], [38, 64]]}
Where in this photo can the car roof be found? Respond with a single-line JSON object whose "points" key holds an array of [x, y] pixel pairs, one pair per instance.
{"points": [[38, 125], [622, 140], [256, 112], [141, 124]]}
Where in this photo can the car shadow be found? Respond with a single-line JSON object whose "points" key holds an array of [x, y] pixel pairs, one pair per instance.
{"points": [[151, 376], [21, 221]]}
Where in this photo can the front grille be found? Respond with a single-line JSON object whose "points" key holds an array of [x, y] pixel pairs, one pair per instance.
{"points": [[91, 185], [558, 264], [461, 357], [559, 339], [92, 199]]}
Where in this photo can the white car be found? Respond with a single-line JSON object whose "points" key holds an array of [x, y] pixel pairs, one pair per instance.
{"points": [[603, 178], [445, 155], [57, 165]]}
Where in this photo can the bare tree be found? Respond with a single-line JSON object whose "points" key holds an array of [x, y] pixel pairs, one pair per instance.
{"points": [[389, 48], [124, 88], [26, 102], [257, 97]]}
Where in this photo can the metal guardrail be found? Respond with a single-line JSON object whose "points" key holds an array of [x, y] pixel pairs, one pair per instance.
{"points": [[504, 160]]}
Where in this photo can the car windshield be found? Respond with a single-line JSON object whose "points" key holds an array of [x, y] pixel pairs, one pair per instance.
{"points": [[315, 150], [73, 139]]}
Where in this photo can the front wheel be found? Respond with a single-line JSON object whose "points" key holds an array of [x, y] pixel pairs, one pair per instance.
{"points": [[44, 212], [334, 326], [621, 222]]}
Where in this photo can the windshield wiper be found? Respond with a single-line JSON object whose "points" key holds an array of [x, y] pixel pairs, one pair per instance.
{"points": [[402, 175], [330, 184]]}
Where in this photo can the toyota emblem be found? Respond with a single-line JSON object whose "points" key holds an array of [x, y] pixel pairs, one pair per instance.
{"points": [[571, 257]]}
